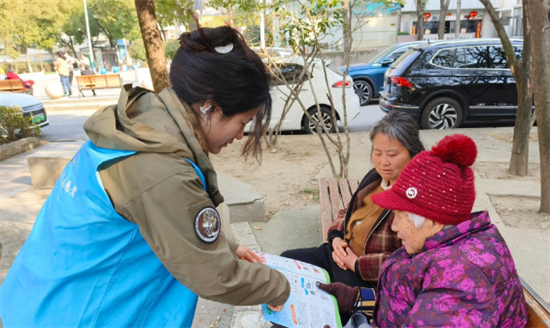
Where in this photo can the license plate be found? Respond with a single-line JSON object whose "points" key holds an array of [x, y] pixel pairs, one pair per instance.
{"points": [[38, 118]]}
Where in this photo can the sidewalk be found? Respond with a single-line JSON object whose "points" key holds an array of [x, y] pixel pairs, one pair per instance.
{"points": [[40, 88], [529, 241]]}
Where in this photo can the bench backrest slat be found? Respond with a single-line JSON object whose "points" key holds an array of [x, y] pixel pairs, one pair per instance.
{"points": [[335, 199], [353, 185], [12, 85], [99, 81], [344, 191]]}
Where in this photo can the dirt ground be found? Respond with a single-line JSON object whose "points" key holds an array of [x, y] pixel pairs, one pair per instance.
{"points": [[499, 171], [521, 212], [285, 179], [509, 137]]}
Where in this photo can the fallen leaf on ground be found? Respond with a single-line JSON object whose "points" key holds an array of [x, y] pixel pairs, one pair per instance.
{"points": [[255, 228]]}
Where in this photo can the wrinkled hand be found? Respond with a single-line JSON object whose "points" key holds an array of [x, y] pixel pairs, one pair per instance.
{"points": [[345, 295], [275, 308], [244, 253], [339, 252]]}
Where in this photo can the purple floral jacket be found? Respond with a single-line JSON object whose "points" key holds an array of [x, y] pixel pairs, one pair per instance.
{"points": [[464, 277]]}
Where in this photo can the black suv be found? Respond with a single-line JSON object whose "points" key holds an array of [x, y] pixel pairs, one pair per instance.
{"points": [[445, 84]]}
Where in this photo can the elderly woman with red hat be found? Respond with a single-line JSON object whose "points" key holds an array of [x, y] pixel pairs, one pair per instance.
{"points": [[454, 269]]}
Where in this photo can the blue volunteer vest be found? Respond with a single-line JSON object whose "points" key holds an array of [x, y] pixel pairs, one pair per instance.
{"points": [[84, 265]]}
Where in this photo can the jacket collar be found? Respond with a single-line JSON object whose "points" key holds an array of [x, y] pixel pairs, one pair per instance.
{"points": [[478, 221]]}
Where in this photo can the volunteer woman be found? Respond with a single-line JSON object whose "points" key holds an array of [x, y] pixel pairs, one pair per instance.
{"points": [[129, 235]]}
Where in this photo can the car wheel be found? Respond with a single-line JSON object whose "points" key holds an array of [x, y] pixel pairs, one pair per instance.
{"points": [[363, 90], [326, 120], [442, 113]]}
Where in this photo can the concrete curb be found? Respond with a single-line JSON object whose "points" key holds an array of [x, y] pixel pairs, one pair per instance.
{"points": [[78, 106], [19, 146]]}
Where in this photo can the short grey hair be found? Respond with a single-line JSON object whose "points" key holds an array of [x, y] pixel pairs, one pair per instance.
{"points": [[401, 127], [416, 219]]}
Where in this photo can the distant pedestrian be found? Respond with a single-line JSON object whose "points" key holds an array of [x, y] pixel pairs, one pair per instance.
{"points": [[62, 69], [87, 71], [83, 62], [13, 76], [70, 65]]}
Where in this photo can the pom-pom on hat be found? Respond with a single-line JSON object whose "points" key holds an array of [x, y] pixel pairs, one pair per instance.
{"points": [[436, 184]]}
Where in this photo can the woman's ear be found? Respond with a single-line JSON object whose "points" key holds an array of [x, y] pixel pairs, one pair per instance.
{"points": [[436, 226]]}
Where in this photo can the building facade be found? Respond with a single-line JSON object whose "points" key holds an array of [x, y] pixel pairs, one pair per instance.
{"points": [[474, 21]]}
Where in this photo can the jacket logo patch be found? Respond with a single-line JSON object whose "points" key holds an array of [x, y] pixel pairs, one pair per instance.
{"points": [[208, 224]]}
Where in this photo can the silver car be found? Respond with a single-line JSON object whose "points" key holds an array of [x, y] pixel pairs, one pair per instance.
{"points": [[29, 105]]}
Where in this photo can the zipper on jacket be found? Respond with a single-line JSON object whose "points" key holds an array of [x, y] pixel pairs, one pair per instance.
{"points": [[373, 228]]}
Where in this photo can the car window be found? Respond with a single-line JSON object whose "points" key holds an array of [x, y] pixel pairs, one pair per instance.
{"points": [[290, 73], [393, 57], [519, 52], [402, 63], [444, 58], [410, 55], [472, 57], [335, 70], [497, 58], [382, 54]]}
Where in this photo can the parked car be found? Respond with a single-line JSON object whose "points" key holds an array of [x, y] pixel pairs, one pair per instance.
{"points": [[29, 105], [445, 84], [368, 78], [295, 119]]}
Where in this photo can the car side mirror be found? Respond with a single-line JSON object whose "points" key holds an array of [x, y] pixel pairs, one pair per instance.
{"points": [[387, 62]]}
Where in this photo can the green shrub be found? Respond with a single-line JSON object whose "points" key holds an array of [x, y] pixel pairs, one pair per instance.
{"points": [[403, 33], [23, 68], [170, 48], [15, 126], [137, 50]]}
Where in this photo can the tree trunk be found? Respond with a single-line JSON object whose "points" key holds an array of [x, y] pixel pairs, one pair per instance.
{"points": [[41, 63], [162, 36], [442, 16], [519, 161], [153, 44], [26, 52], [521, 70], [538, 12], [230, 15], [457, 21], [419, 20]]}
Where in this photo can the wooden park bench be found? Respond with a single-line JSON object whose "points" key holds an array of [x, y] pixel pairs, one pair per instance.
{"points": [[14, 86], [95, 82], [335, 194]]}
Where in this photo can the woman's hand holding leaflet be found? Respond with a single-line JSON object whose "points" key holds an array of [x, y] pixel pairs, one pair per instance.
{"points": [[244, 253]]}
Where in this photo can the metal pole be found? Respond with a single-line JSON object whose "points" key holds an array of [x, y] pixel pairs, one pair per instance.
{"points": [[126, 48], [262, 28], [89, 37]]}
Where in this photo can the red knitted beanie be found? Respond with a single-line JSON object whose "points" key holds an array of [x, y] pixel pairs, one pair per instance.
{"points": [[436, 184]]}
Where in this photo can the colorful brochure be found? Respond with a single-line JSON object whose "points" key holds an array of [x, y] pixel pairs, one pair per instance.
{"points": [[307, 306]]}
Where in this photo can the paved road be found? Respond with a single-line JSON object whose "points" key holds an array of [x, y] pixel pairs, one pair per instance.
{"points": [[66, 126]]}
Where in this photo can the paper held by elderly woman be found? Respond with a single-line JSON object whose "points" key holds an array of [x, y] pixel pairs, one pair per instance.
{"points": [[307, 306]]}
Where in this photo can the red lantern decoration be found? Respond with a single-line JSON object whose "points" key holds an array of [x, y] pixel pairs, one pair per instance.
{"points": [[427, 16], [473, 14]]}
